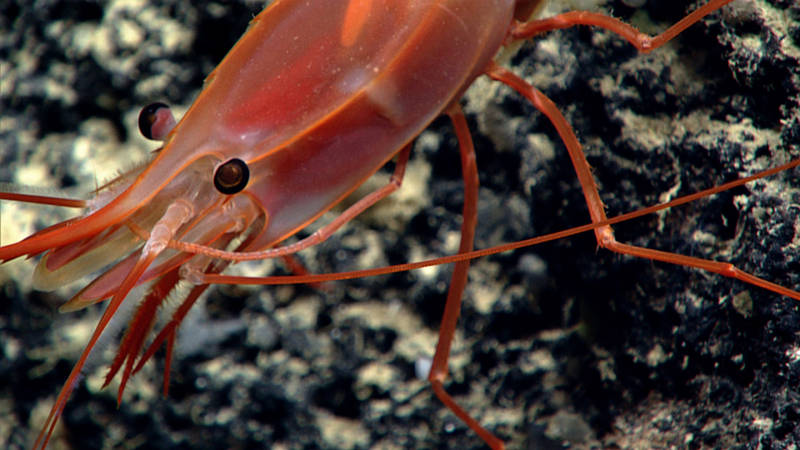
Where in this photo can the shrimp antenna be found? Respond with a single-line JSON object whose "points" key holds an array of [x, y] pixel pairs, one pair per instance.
{"points": [[30, 194]]}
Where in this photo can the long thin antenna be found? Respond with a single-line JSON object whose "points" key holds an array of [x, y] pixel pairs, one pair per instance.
{"points": [[15, 193]]}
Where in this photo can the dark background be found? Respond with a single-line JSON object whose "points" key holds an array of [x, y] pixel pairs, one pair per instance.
{"points": [[558, 343]]}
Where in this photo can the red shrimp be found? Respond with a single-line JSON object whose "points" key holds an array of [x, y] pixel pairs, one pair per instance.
{"points": [[535, 359]]}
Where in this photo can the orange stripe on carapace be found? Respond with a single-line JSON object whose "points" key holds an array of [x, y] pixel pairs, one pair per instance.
{"points": [[354, 20]]}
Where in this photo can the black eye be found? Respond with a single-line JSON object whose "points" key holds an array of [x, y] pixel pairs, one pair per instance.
{"points": [[231, 177], [156, 121]]}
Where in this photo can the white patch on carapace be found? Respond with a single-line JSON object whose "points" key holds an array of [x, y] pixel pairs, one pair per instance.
{"points": [[354, 80], [383, 94], [379, 89], [253, 136]]}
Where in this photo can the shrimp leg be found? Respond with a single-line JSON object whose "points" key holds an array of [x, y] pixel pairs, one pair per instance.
{"points": [[641, 41], [605, 234], [458, 282]]}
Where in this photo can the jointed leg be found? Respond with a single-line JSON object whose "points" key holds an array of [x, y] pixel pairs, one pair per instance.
{"points": [[605, 235], [638, 39], [458, 282]]}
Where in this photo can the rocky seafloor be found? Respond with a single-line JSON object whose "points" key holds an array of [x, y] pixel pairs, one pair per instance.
{"points": [[558, 345]]}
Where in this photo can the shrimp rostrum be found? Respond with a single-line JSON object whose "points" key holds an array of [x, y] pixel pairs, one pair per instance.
{"points": [[312, 101]]}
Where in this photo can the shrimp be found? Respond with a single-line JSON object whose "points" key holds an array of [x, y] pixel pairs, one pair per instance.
{"points": [[534, 359]]}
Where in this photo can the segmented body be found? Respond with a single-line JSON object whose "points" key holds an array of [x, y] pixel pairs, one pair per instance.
{"points": [[700, 344]]}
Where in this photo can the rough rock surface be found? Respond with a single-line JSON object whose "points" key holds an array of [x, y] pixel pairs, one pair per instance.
{"points": [[557, 344]]}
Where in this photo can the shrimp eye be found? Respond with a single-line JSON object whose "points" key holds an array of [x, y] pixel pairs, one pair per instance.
{"points": [[231, 177], [156, 121]]}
